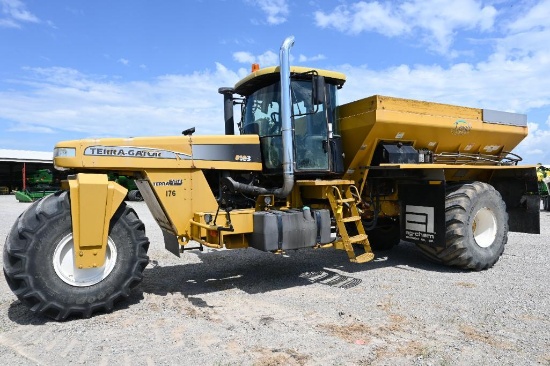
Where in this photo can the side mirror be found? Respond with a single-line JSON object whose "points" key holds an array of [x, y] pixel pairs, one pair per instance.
{"points": [[227, 93], [318, 93], [189, 131]]}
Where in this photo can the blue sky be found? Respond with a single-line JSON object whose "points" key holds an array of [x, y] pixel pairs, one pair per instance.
{"points": [[74, 69]]}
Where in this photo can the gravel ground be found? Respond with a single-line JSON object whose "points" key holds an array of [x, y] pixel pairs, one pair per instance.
{"points": [[310, 307]]}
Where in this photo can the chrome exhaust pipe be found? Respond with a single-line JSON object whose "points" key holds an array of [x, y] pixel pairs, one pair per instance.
{"points": [[286, 121]]}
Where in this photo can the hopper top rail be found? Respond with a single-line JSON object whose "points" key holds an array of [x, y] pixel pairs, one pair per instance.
{"points": [[505, 158]]}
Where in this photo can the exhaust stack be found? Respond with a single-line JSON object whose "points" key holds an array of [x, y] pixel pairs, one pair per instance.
{"points": [[286, 127]]}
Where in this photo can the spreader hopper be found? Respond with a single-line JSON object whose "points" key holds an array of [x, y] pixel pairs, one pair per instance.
{"points": [[452, 134]]}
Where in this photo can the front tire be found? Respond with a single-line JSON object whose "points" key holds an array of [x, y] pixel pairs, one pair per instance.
{"points": [[38, 261], [476, 228]]}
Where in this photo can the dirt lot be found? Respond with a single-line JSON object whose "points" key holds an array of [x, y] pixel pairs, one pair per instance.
{"points": [[310, 307]]}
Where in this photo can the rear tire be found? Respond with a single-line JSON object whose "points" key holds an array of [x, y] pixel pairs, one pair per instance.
{"points": [[38, 261], [476, 228]]}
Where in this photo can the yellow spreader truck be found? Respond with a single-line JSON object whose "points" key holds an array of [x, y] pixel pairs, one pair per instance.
{"points": [[302, 172]]}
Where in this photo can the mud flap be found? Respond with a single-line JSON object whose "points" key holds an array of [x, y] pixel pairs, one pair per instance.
{"points": [[525, 217], [519, 190], [423, 213], [171, 243]]}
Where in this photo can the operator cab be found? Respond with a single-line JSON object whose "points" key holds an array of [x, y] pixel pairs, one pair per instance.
{"points": [[317, 146]]}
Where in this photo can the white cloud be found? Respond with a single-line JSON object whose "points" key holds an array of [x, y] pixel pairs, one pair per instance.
{"points": [[62, 99], [535, 146], [31, 129], [123, 61], [438, 20], [268, 58], [362, 16], [8, 23], [14, 12], [528, 36], [536, 16], [244, 57], [275, 10], [435, 21], [303, 58]]}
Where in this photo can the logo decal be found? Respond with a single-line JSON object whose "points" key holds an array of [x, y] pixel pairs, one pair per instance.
{"points": [[170, 182], [132, 152], [419, 223], [462, 127]]}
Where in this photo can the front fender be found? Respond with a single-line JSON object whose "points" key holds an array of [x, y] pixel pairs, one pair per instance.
{"points": [[94, 201]]}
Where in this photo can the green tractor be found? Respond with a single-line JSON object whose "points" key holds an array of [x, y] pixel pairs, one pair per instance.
{"points": [[41, 183], [128, 183], [38, 184]]}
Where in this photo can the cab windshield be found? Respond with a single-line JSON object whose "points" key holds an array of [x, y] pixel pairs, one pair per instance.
{"points": [[312, 121]]}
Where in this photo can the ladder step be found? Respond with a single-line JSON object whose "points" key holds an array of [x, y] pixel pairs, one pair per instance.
{"points": [[345, 200], [351, 219], [365, 257], [357, 238]]}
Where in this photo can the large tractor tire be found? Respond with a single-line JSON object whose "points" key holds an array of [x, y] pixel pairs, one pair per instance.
{"points": [[476, 228], [385, 237], [38, 261]]}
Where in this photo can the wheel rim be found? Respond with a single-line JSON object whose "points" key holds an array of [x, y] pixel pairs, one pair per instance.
{"points": [[63, 263], [484, 227]]}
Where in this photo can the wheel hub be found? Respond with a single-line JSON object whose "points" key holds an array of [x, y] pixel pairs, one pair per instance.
{"points": [[63, 264], [484, 227]]}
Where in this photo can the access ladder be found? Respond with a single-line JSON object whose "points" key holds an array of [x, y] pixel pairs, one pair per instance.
{"points": [[343, 197]]}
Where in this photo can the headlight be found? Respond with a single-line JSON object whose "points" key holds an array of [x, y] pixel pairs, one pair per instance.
{"points": [[60, 168], [64, 152]]}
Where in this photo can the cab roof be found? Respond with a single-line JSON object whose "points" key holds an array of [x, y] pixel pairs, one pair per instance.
{"points": [[268, 75]]}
